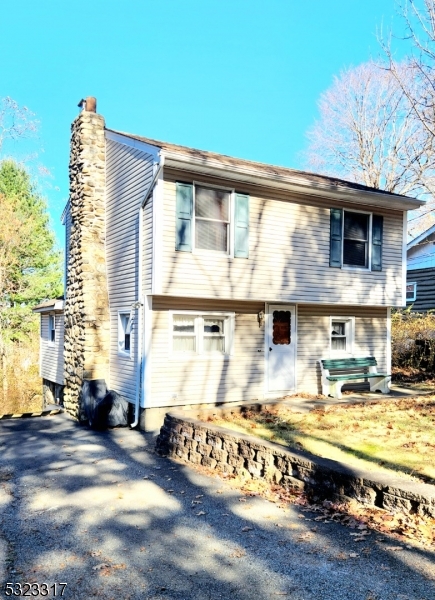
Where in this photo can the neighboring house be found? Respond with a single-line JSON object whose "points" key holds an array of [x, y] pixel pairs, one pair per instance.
{"points": [[420, 277], [51, 349], [197, 278]]}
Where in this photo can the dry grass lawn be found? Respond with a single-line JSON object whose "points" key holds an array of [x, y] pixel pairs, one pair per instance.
{"points": [[395, 435]]}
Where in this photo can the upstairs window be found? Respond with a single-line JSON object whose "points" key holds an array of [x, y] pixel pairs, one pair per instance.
{"points": [[211, 219], [356, 240], [411, 291]]}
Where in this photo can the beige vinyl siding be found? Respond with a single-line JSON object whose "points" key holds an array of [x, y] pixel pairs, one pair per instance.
{"points": [[51, 354], [196, 380], [288, 256], [129, 173], [313, 331]]}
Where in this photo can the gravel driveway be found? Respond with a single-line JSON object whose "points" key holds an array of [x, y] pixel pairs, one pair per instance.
{"points": [[105, 515]]}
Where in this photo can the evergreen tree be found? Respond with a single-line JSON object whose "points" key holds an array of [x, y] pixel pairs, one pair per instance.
{"points": [[30, 265]]}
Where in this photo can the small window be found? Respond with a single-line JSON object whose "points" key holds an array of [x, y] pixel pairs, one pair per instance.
{"points": [[356, 227], [342, 332], [212, 219], [355, 240], [204, 334], [411, 292], [52, 328], [124, 333]]}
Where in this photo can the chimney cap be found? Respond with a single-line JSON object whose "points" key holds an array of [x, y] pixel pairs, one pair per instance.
{"points": [[89, 103]]}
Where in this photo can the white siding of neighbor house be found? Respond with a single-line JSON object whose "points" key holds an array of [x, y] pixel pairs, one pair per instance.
{"points": [[51, 354], [129, 172], [422, 256], [197, 380], [314, 339], [288, 256]]}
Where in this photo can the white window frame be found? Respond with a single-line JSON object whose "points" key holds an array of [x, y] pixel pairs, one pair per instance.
{"points": [[414, 291], [369, 242], [231, 192], [52, 329], [125, 327], [199, 316], [349, 334]]}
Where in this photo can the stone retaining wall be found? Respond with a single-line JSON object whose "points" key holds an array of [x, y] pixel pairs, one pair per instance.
{"points": [[235, 453]]}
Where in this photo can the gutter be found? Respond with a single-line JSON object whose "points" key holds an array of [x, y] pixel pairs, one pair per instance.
{"points": [[139, 304], [299, 184]]}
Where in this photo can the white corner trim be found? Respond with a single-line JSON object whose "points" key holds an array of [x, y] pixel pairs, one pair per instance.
{"points": [[127, 141], [157, 258], [146, 399], [404, 257], [388, 352]]}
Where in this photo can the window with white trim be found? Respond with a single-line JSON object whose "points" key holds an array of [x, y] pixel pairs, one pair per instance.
{"points": [[52, 328], [211, 219], [356, 239], [342, 335], [212, 209], [202, 333], [411, 291], [125, 324]]}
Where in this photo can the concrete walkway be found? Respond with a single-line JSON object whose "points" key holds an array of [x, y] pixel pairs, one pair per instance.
{"points": [[102, 513], [302, 404]]}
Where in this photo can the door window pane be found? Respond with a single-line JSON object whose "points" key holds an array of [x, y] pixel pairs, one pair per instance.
{"points": [[281, 330]]}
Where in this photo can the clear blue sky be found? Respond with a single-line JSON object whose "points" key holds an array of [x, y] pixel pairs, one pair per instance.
{"points": [[239, 77]]}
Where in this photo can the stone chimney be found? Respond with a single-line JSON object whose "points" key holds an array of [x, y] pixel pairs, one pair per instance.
{"points": [[87, 318]]}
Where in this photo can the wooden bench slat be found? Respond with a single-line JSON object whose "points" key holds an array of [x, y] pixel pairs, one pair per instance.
{"points": [[356, 376]]}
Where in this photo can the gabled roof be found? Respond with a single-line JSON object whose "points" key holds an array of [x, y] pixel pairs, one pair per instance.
{"points": [[417, 240], [256, 173], [420, 222]]}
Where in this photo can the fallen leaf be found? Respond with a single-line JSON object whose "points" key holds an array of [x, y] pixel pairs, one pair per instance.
{"points": [[101, 566]]}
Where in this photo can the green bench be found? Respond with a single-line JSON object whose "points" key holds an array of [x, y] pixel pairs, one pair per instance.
{"points": [[338, 371]]}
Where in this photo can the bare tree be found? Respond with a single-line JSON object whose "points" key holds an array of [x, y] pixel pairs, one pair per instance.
{"points": [[418, 18], [368, 133], [16, 122]]}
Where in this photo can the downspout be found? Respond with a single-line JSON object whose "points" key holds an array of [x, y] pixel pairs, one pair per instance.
{"points": [[139, 304]]}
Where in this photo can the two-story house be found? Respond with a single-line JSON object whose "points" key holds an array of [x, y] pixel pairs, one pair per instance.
{"points": [[198, 278], [420, 287]]}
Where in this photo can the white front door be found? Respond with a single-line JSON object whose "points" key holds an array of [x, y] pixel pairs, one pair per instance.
{"points": [[281, 347]]}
